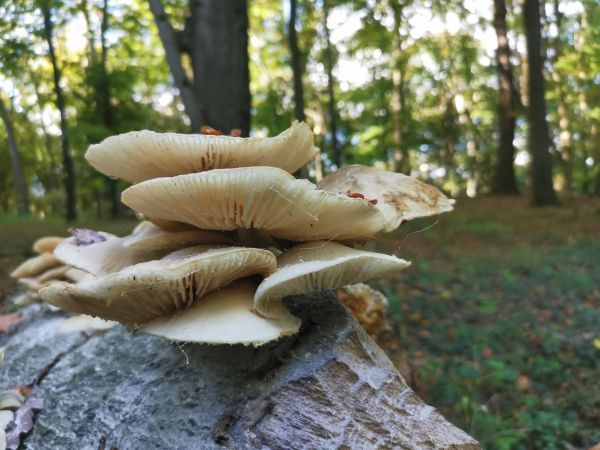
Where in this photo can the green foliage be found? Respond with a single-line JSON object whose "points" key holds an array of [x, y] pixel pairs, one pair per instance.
{"points": [[502, 321]]}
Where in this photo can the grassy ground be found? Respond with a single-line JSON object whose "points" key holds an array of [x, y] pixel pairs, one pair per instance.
{"points": [[500, 311]]}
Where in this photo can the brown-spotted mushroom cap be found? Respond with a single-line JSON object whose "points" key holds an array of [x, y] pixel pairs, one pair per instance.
{"points": [[225, 316], [35, 266], [145, 291], [147, 236], [399, 197], [264, 198], [316, 266], [142, 155], [46, 244], [101, 258]]}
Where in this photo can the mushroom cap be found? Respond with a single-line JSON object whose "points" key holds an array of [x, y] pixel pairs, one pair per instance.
{"points": [[225, 316], [101, 258], [46, 244], [147, 236], [35, 266], [264, 198], [142, 155], [317, 266], [399, 197], [145, 291]]}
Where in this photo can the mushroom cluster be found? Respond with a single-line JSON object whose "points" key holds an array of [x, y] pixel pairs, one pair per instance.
{"points": [[231, 233], [43, 269]]}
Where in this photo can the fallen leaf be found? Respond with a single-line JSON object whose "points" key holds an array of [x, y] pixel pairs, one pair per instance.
{"points": [[23, 422], [83, 236], [8, 321], [597, 343]]}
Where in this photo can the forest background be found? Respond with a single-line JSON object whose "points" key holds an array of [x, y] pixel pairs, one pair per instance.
{"points": [[495, 102]]}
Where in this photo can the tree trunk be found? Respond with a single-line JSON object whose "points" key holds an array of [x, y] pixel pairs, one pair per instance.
{"points": [[17, 171], [400, 161], [539, 142], [107, 111], [216, 39], [69, 174], [505, 182], [331, 103], [296, 63], [297, 71], [330, 386]]}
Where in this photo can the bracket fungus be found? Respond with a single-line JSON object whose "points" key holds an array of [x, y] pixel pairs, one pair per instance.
{"points": [[232, 195]]}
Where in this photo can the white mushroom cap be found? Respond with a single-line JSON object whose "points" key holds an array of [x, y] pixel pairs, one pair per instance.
{"points": [[142, 155], [147, 236], [399, 197], [35, 266], [152, 289], [46, 244], [265, 198], [101, 258], [225, 317], [316, 266]]}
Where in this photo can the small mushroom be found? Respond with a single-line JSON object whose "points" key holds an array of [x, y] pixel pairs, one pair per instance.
{"points": [[46, 244], [145, 291], [264, 198], [101, 258], [11, 400], [142, 155], [148, 236], [36, 265], [225, 317], [398, 197], [317, 266]]}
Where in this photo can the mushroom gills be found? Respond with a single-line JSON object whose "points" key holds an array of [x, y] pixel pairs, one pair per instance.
{"points": [[225, 316], [317, 266]]}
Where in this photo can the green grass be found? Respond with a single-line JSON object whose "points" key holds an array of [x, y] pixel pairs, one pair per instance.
{"points": [[501, 311]]}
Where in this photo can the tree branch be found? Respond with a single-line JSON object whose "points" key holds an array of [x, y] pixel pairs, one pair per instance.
{"points": [[170, 41]]}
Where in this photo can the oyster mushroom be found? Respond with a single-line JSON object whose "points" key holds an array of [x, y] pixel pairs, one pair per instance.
{"points": [[148, 236], [142, 155], [46, 244], [398, 197], [316, 266], [36, 265], [145, 291], [265, 198], [104, 257], [225, 316]]}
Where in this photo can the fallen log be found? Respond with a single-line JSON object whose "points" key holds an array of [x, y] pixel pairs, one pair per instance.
{"points": [[330, 386]]}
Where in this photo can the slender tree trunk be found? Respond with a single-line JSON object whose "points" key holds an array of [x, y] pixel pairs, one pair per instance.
{"points": [[297, 71], [296, 63], [17, 170], [90, 33], [107, 111], [331, 103], [564, 122], [539, 142], [505, 182], [69, 174], [216, 39], [401, 161]]}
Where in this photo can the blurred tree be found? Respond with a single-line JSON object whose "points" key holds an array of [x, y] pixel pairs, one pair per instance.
{"points": [[505, 182], [17, 170], [541, 161], [296, 63], [69, 173], [336, 152], [215, 38]]}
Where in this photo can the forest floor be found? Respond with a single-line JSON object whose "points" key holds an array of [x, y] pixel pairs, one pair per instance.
{"points": [[501, 315], [500, 312]]}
